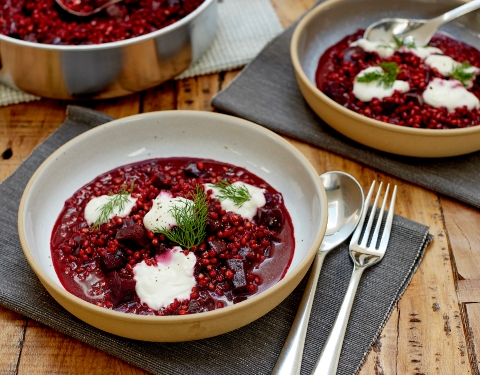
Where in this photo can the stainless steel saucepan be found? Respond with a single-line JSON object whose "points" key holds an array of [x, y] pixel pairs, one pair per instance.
{"points": [[111, 69]]}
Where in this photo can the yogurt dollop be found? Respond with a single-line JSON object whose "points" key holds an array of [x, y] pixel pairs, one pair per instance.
{"points": [[172, 278], [422, 52], [366, 91], [445, 65], [93, 208], [450, 94], [383, 49], [160, 216], [248, 209]]}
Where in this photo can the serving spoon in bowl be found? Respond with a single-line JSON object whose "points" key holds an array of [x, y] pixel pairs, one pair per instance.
{"points": [[85, 8], [416, 31], [345, 204]]}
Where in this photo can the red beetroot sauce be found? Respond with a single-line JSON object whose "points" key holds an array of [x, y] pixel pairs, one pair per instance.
{"points": [[340, 63], [44, 21], [76, 247]]}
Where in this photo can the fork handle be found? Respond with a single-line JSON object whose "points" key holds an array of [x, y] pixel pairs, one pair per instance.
{"points": [[327, 363], [289, 361]]}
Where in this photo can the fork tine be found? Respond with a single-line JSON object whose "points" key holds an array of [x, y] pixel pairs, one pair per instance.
{"points": [[373, 243], [372, 216], [388, 223], [358, 230]]}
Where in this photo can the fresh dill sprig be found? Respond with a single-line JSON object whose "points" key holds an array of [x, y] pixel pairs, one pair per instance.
{"points": [[191, 219], [404, 42], [238, 194], [460, 73], [117, 201], [386, 78]]}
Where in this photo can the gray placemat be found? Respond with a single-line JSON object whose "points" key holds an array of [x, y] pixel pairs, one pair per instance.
{"points": [[252, 349], [266, 92]]}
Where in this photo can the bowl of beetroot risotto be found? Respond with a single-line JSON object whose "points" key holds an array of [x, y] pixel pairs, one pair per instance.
{"points": [[173, 225], [128, 47], [421, 101]]}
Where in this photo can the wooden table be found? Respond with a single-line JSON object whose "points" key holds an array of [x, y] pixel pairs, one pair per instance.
{"points": [[434, 329]]}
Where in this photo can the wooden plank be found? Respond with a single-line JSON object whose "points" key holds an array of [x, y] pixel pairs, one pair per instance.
{"points": [[463, 224], [196, 93], [46, 351], [288, 11], [117, 107], [473, 315], [469, 291], [161, 98], [431, 337], [23, 127], [12, 329]]}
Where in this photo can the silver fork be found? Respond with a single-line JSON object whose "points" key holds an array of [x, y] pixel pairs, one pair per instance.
{"points": [[364, 254]]}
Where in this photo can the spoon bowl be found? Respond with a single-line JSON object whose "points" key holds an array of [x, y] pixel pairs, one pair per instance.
{"points": [[345, 200], [345, 205], [415, 32]]}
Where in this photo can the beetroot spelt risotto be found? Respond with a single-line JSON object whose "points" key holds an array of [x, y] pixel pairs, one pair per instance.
{"points": [[44, 21], [432, 87], [171, 237]]}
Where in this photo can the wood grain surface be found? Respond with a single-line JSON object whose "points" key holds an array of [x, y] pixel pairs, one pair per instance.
{"points": [[434, 329]]}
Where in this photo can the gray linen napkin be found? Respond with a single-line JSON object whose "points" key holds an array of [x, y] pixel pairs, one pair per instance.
{"points": [[266, 92], [252, 349]]}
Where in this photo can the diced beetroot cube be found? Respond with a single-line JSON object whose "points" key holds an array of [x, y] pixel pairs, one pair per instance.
{"points": [[160, 249], [194, 306], [240, 277], [268, 199], [247, 253], [270, 217], [191, 170], [122, 288], [213, 226], [112, 261], [218, 245], [239, 299], [271, 200], [131, 234], [162, 181], [209, 303]]}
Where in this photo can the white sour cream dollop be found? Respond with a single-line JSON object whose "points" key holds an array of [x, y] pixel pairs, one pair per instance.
{"points": [[160, 216], [383, 49], [450, 94], [248, 209], [366, 91], [422, 52], [93, 208], [445, 66], [172, 278]]}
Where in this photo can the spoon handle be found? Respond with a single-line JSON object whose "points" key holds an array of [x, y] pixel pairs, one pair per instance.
{"points": [[327, 363], [457, 12], [290, 360]]}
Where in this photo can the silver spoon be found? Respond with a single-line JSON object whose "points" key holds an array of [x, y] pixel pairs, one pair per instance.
{"points": [[95, 6], [412, 30], [345, 203]]}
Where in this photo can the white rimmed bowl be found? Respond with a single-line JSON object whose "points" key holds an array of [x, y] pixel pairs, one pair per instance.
{"points": [[330, 22], [169, 134]]}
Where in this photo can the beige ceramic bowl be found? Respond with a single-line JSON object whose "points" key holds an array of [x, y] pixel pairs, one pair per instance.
{"points": [[170, 134], [330, 22]]}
